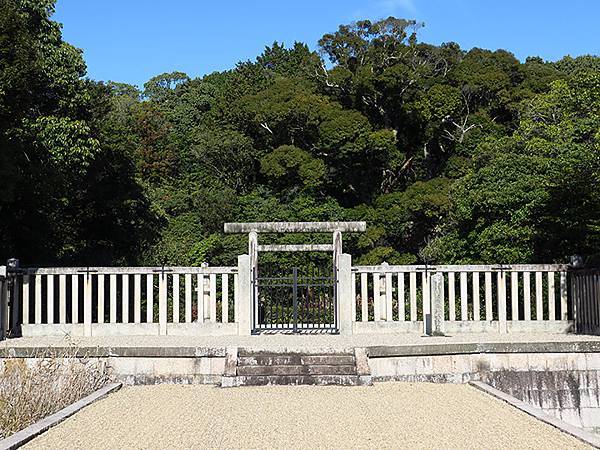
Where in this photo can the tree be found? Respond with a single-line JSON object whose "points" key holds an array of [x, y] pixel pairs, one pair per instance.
{"points": [[533, 196]]}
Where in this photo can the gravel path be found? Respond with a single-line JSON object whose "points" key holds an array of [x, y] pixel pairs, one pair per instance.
{"points": [[387, 415], [291, 341]]}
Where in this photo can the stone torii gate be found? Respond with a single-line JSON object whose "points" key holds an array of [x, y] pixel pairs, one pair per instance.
{"points": [[341, 262]]}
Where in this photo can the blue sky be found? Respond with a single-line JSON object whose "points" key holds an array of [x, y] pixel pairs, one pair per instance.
{"points": [[133, 40]]}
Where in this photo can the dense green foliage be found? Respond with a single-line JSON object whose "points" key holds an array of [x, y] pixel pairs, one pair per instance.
{"points": [[449, 155]]}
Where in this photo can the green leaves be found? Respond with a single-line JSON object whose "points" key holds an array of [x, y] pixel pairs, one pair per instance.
{"points": [[449, 155], [68, 142], [289, 165]]}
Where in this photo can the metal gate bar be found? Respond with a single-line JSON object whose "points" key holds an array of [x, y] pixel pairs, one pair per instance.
{"points": [[304, 300]]}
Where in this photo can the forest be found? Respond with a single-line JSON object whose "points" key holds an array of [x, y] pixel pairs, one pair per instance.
{"points": [[450, 155]]}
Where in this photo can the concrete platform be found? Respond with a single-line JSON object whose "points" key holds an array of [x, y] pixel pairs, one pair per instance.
{"points": [[379, 345], [401, 357]]}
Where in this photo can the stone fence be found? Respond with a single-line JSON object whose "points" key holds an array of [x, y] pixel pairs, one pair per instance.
{"points": [[96, 301], [462, 298]]}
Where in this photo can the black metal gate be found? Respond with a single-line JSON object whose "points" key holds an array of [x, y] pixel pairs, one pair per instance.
{"points": [[585, 288], [300, 299]]}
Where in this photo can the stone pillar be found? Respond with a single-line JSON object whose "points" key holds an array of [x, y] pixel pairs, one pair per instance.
{"points": [[426, 283], [337, 248], [162, 304], [244, 296], [437, 305], [204, 293], [87, 305], [344, 294], [253, 253]]}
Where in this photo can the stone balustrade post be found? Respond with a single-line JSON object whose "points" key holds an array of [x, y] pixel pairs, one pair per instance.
{"points": [[436, 316], [344, 294], [244, 297]]}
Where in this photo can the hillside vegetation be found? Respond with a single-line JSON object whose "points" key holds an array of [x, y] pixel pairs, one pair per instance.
{"points": [[450, 155]]}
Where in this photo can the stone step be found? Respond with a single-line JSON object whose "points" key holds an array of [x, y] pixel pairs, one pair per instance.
{"points": [[338, 369], [295, 360], [291, 352], [319, 380]]}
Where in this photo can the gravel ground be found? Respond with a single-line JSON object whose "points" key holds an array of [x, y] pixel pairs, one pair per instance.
{"points": [[291, 341], [387, 415]]}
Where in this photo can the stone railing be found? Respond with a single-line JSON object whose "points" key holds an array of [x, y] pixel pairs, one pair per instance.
{"points": [[95, 301], [470, 298]]}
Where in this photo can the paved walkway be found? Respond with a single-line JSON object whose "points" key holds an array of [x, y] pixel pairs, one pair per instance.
{"points": [[288, 341], [387, 415]]}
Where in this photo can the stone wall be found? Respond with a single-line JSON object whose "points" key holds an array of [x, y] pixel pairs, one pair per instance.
{"points": [[565, 385]]}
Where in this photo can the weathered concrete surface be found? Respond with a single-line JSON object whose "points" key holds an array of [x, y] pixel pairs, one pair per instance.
{"points": [[389, 415], [131, 329], [307, 341], [378, 345], [571, 394], [201, 370], [515, 328], [576, 432], [273, 368]]}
